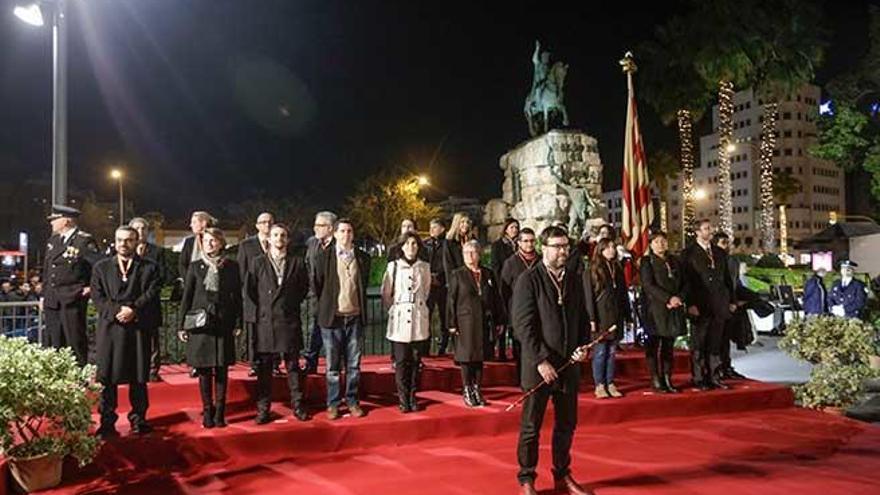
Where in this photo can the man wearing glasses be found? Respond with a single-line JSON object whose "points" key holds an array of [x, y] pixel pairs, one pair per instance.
{"points": [[315, 246], [249, 250], [524, 258], [551, 320]]}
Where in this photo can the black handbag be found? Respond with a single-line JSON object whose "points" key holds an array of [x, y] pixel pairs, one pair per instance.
{"points": [[195, 319]]}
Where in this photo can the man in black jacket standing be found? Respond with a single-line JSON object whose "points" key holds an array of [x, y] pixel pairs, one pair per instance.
{"points": [[123, 288], [248, 251], [276, 286], [315, 247], [152, 318], [341, 278], [551, 320], [434, 247], [710, 304], [67, 269]]}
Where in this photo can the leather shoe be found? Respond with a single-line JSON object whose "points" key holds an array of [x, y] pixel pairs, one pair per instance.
{"points": [[528, 488], [262, 417], [704, 386], [571, 486], [356, 411], [332, 413], [141, 428], [299, 412], [732, 374], [106, 432], [716, 383]]}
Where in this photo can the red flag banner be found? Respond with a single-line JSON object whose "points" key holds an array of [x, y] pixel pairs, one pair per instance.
{"points": [[638, 211]]}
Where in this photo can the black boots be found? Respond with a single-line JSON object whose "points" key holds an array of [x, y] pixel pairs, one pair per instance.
{"points": [[470, 399], [208, 417], [657, 383]]}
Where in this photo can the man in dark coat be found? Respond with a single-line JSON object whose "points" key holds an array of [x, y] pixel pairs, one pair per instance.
{"points": [[710, 304], [551, 320], [276, 286], [525, 258], [315, 247], [341, 275], [123, 287], [152, 317], [435, 245], [502, 249], [249, 250], [67, 268], [815, 294], [739, 319]]}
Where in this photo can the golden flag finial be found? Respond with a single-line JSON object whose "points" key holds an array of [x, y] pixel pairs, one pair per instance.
{"points": [[628, 64]]}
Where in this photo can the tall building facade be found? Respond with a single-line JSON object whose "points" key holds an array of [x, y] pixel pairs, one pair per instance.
{"points": [[822, 182]]}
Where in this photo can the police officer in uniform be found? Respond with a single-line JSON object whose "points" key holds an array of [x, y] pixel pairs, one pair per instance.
{"points": [[70, 255], [848, 295]]}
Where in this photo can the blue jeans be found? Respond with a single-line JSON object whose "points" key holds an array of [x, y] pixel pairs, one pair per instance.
{"points": [[603, 362], [343, 343]]}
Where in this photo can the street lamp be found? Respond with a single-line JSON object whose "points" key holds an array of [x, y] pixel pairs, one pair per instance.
{"points": [[700, 194], [423, 181], [32, 13], [116, 175]]}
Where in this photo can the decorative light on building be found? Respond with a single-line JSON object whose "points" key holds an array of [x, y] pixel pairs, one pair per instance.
{"points": [[688, 214], [768, 144], [725, 140], [826, 108]]}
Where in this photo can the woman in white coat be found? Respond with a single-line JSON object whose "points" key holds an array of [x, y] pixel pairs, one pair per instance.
{"points": [[405, 289]]}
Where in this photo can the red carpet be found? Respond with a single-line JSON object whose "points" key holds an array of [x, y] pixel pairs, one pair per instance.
{"points": [[746, 440]]}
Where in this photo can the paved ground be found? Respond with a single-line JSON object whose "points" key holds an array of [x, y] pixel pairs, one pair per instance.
{"points": [[768, 363]]}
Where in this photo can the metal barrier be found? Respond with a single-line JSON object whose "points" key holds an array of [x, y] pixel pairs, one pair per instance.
{"points": [[22, 319], [25, 319]]}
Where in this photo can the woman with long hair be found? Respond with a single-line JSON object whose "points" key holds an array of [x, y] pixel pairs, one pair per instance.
{"points": [[460, 232], [612, 307], [212, 283]]}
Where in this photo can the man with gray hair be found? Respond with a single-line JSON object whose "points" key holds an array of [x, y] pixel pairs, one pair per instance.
{"points": [[315, 246], [151, 319]]}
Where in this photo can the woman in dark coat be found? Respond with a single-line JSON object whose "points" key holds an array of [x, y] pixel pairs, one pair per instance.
{"points": [[611, 303], [474, 310], [460, 232], [663, 284], [212, 283]]}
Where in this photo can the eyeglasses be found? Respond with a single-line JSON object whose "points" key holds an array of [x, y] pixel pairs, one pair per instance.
{"points": [[561, 247], [527, 241], [323, 225]]}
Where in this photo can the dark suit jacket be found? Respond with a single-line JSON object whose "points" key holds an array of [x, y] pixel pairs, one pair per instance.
{"points": [[611, 299], [661, 280], [185, 255], [123, 349], [473, 312], [452, 257], [434, 248], [708, 284], [501, 250], [513, 267], [248, 251], [152, 318], [67, 268], [326, 285], [545, 329], [277, 308]]}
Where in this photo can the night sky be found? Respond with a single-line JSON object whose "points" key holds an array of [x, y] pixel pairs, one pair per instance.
{"points": [[208, 102]]}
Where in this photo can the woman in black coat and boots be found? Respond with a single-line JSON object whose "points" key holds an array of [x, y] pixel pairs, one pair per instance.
{"points": [[611, 303], [663, 284], [212, 283], [474, 311]]}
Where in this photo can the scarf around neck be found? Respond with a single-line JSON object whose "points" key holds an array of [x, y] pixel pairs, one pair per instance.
{"points": [[212, 277]]}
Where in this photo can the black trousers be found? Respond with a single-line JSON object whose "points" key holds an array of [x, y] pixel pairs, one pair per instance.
{"points": [[66, 327], [706, 335], [137, 395], [659, 354], [264, 380], [155, 352], [564, 396], [471, 373], [407, 360], [437, 299]]}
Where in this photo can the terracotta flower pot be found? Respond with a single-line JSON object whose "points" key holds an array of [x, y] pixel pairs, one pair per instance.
{"points": [[36, 473]]}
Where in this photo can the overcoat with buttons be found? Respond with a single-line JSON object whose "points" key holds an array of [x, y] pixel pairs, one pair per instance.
{"points": [[215, 345], [852, 297], [277, 306], [405, 290], [68, 268], [473, 312]]}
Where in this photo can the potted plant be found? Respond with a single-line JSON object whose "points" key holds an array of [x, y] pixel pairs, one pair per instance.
{"points": [[840, 350], [46, 403]]}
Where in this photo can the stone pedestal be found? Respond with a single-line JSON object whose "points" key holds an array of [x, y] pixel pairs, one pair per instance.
{"points": [[555, 177]]}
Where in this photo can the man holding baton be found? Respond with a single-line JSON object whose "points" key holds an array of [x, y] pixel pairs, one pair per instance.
{"points": [[551, 319]]}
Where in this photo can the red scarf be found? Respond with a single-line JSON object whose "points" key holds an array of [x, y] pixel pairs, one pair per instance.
{"points": [[528, 259]]}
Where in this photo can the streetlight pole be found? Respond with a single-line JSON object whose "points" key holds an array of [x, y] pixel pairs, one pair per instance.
{"points": [[59, 104], [117, 175], [32, 13]]}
